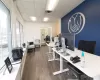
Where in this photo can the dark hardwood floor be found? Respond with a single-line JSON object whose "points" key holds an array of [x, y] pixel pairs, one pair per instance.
{"points": [[37, 67]]}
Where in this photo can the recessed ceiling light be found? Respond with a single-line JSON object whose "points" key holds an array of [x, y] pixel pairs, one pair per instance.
{"points": [[51, 4], [33, 18], [45, 19]]}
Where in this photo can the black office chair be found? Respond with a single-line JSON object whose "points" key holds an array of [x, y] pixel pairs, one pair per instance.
{"points": [[47, 39], [53, 39], [87, 46], [31, 47], [31, 43], [17, 53]]}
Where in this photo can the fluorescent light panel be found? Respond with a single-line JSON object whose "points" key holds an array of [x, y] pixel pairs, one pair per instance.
{"points": [[45, 19], [51, 4], [33, 18]]}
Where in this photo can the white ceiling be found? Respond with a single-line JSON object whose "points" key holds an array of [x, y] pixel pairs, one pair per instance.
{"points": [[37, 8]]}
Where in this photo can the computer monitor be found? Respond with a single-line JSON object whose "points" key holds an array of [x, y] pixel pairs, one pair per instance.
{"points": [[69, 40]]}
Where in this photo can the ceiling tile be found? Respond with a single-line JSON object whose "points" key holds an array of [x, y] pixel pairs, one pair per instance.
{"points": [[37, 8]]}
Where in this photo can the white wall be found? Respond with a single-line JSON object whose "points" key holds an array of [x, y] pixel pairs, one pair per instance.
{"points": [[32, 30], [15, 15], [59, 25]]}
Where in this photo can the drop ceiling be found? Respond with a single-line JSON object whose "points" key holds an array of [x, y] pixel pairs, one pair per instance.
{"points": [[37, 8]]}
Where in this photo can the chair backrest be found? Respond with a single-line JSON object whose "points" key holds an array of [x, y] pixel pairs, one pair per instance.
{"points": [[87, 46], [47, 38], [53, 39], [17, 53], [37, 41], [31, 43]]}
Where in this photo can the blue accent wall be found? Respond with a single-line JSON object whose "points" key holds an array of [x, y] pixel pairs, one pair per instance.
{"points": [[91, 30]]}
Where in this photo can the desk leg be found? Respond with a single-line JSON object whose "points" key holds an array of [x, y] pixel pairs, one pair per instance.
{"points": [[61, 67], [61, 63], [53, 55], [48, 53], [54, 58], [49, 49]]}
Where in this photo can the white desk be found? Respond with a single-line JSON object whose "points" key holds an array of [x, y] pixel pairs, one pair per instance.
{"points": [[92, 63], [50, 46], [15, 70], [12, 75]]}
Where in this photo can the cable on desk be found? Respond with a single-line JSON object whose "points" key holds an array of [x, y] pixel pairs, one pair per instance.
{"points": [[2, 67]]}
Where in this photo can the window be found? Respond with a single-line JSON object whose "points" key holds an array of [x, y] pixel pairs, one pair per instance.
{"points": [[5, 33], [19, 34]]}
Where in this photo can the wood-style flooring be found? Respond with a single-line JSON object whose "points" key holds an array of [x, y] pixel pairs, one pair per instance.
{"points": [[37, 67]]}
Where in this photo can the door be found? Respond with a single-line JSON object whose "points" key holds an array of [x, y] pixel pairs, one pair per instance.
{"points": [[50, 33], [44, 33]]}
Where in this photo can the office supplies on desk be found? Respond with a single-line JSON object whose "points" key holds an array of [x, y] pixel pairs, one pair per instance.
{"points": [[65, 53], [58, 48], [83, 59], [75, 59]]}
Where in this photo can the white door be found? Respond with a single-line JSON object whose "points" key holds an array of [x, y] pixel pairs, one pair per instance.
{"points": [[44, 33], [50, 33]]}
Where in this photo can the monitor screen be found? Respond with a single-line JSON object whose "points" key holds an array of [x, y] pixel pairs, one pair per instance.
{"points": [[69, 40]]}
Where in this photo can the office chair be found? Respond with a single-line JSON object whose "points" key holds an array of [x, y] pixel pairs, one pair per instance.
{"points": [[47, 39], [87, 46], [30, 47], [17, 53], [37, 43]]}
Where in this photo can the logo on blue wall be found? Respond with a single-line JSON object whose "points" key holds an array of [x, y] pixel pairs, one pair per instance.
{"points": [[76, 23]]}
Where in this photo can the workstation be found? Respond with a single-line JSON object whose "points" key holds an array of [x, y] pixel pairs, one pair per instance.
{"points": [[49, 40], [79, 62]]}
